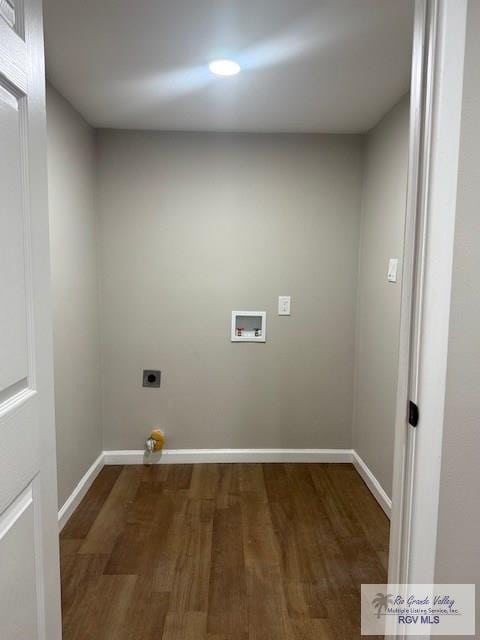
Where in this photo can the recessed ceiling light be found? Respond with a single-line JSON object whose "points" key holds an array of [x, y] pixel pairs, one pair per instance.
{"points": [[224, 67]]}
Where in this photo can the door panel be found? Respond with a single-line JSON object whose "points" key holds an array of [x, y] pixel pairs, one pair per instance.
{"points": [[29, 566], [7, 11], [19, 455], [13, 310], [17, 559]]}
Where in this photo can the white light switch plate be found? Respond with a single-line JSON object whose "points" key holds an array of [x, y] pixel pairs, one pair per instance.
{"points": [[284, 305], [392, 269]]}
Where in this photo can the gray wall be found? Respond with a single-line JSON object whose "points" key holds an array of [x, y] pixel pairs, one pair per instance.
{"points": [[72, 194], [458, 556], [194, 226], [378, 308]]}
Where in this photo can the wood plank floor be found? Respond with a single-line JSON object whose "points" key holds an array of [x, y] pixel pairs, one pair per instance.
{"points": [[221, 552]]}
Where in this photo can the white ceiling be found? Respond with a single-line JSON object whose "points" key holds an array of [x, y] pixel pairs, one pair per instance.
{"points": [[308, 65]]}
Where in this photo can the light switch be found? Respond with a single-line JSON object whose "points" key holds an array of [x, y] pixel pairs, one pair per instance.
{"points": [[284, 305], [392, 269]]}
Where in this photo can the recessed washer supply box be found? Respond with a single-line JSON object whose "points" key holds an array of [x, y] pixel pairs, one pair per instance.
{"points": [[248, 326]]}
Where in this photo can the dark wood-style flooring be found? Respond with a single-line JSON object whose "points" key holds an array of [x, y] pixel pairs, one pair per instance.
{"points": [[221, 552]]}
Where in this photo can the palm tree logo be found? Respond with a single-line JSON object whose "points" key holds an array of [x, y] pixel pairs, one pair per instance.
{"points": [[381, 602]]}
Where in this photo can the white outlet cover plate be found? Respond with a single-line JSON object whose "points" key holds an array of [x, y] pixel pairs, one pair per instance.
{"points": [[284, 303], [392, 269]]}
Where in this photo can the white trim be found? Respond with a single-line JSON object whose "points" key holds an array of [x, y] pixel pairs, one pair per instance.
{"points": [[372, 483], [195, 456], [414, 241], [440, 204], [435, 127], [192, 456], [80, 491]]}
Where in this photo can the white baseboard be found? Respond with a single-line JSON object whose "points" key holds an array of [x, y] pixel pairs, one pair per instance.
{"points": [[192, 456], [372, 483], [79, 492]]}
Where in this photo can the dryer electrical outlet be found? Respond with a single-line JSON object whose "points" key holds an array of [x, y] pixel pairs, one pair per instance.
{"points": [[151, 378]]}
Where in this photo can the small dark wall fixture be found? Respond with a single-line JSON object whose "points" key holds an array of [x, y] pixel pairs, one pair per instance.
{"points": [[151, 378]]}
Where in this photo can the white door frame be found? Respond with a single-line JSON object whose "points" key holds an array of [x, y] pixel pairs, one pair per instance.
{"points": [[435, 122]]}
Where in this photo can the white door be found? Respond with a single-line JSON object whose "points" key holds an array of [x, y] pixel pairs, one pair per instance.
{"points": [[29, 566]]}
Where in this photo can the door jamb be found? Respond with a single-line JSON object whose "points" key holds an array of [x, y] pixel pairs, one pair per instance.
{"points": [[410, 315], [435, 124]]}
